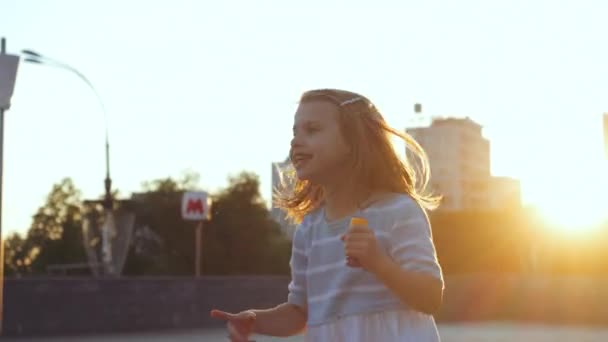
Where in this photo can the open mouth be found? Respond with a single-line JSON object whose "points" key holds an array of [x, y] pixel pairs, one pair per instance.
{"points": [[298, 159]]}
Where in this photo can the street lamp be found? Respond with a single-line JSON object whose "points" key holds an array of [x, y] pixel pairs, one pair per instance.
{"points": [[8, 76], [37, 58], [109, 226]]}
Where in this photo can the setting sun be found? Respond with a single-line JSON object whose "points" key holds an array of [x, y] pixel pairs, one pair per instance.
{"points": [[563, 171], [575, 206]]}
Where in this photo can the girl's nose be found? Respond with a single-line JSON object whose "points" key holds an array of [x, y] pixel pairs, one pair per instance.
{"points": [[295, 142]]}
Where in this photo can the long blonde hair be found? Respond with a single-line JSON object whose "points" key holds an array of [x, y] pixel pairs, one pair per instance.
{"points": [[375, 163]]}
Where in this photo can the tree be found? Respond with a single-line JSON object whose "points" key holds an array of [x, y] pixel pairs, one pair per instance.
{"points": [[54, 237], [162, 240], [241, 238], [14, 256]]}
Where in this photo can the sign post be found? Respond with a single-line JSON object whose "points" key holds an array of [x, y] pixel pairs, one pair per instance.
{"points": [[197, 246], [196, 206]]}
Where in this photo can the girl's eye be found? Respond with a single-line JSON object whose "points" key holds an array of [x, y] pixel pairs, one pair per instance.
{"points": [[311, 130]]}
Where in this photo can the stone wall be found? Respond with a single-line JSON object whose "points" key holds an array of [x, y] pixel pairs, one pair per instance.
{"points": [[73, 306], [60, 306]]}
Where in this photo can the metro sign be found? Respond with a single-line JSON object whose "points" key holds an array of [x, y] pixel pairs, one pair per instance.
{"points": [[196, 206]]}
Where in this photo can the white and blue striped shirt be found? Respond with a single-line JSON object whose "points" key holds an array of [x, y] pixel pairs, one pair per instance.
{"points": [[329, 289]]}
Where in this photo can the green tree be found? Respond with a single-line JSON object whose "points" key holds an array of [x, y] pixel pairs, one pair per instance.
{"points": [[159, 224], [241, 238], [54, 237], [14, 256]]}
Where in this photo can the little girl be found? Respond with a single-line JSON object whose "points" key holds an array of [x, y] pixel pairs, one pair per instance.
{"points": [[376, 278]]}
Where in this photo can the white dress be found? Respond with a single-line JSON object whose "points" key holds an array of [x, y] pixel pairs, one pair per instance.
{"points": [[385, 326], [351, 305]]}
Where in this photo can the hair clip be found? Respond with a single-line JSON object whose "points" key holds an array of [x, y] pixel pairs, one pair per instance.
{"points": [[354, 99]]}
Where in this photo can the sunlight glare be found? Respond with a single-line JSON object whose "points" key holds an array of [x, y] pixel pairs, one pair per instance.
{"points": [[578, 207]]}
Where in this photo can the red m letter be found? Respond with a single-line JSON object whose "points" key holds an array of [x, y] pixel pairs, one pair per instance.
{"points": [[195, 206]]}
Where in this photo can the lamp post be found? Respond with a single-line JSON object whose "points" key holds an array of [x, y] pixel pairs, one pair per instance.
{"points": [[37, 58], [108, 201], [2, 52], [8, 76]]}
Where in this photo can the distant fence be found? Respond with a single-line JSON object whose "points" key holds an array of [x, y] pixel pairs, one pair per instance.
{"points": [[43, 306]]}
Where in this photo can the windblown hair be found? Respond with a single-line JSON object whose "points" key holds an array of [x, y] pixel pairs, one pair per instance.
{"points": [[376, 165]]}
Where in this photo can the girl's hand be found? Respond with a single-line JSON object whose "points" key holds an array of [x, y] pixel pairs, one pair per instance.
{"points": [[361, 249], [240, 326]]}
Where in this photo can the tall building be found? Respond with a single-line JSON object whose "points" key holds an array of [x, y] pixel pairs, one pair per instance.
{"points": [[504, 192], [459, 157], [277, 214]]}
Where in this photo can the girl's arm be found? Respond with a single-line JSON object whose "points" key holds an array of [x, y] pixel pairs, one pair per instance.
{"points": [[418, 290], [289, 318], [282, 321], [411, 270]]}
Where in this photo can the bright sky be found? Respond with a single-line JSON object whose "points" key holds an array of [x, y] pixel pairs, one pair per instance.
{"points": [[212, 86]]}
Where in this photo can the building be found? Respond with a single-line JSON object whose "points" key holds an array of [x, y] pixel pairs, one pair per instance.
{"points": [[460, 161], [504, 193], [459, 157], [277, 214]]}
